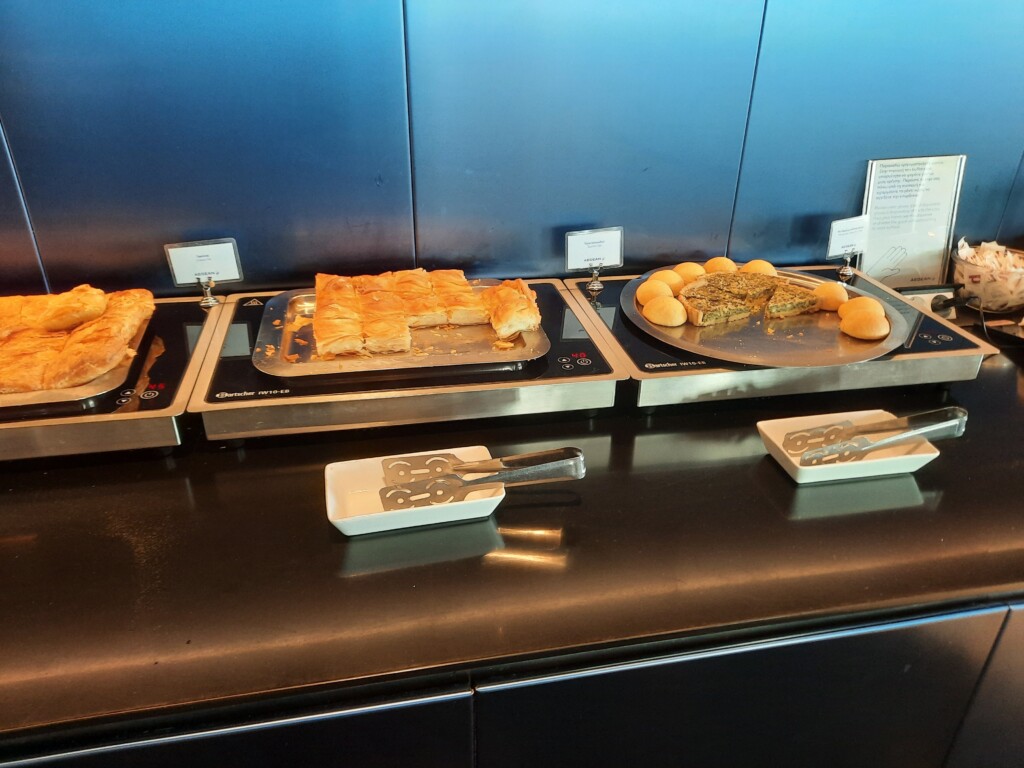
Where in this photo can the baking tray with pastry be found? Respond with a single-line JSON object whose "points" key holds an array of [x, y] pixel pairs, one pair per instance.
{"points": [[411, 346], [68, 347], [85, 370], [387, 329]]}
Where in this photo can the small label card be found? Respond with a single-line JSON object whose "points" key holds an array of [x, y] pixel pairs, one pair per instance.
{"points": [[592, 249], [847, 237], [204, 260]]}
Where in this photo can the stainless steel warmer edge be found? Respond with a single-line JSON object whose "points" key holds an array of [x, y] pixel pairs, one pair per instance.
{"points": [[97, 433], [291, 415], [730, 385], [706, 384], [387, 409]]}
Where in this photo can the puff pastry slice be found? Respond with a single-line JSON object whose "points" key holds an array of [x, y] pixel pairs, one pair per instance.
{"points": [[513, 308]]}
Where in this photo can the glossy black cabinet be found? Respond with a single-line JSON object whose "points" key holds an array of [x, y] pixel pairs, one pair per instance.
{"points": [[432, 732], [993, 732], [889, 695]]}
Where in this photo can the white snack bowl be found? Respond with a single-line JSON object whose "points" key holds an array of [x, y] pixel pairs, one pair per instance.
{"points": [[893, 460], [994, 288], [353, 496]]}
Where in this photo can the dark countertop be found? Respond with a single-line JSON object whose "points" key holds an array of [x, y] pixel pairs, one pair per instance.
{"points": [[134, 582]]}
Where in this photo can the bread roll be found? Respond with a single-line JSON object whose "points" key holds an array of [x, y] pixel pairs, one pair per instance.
{"points": [[720, 264], [759, 267], [671, 278], [831, 296], [652, 289], [864, 324], [859, 303], [689, 271], [665, 310]]}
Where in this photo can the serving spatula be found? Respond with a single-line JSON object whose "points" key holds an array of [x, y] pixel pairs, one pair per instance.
{"points": [[464, 478]]}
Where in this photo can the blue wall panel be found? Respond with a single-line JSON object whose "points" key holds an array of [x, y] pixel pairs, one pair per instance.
{"points": [[20, 271], [535, 117], [1011, 229], [135, 124], [838, 86]]}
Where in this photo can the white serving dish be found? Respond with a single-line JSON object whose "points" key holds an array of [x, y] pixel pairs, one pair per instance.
{"points": [[893, 460], [353, 497]]}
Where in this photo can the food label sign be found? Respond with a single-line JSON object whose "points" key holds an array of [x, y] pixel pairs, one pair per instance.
{"points": [[592, 249], [204, 261]]}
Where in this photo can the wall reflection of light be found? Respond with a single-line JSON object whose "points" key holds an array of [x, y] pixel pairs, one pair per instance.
{"points": [[530, 547], [546, 560], [548, 537]]}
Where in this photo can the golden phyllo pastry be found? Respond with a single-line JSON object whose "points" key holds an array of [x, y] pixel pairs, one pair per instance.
{"points": [[69, 339], [387, 334], [447, 279], [464, 307], [68, 310], [337, 318], [513, 308], [385, 281], [374, 313], [385, 328], [380, 304], [423, 310], [95, 347], [25, 355], [412, 281]]}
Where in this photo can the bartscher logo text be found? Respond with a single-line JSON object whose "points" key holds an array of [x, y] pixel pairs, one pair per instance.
{"points": [[680, 364], [224, 395]]}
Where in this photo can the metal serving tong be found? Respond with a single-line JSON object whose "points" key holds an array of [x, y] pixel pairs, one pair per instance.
{"points": [[847, 442], [419, 481]]}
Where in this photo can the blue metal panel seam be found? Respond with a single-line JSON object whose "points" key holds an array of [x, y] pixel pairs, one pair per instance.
{"points": [[23, 204], [1009, 197], [746, 129], [408, 125]]}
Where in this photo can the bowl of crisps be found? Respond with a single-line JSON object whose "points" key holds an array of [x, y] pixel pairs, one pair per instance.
{"points": [[991, 274]]}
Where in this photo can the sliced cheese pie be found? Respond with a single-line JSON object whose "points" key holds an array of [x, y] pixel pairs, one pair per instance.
{"points": [[374, 313]]}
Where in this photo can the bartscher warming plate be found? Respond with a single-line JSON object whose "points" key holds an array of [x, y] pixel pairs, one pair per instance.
{"points": [[931, 350], [285, 345], [141, 410], [238, 400], [791, 342]]}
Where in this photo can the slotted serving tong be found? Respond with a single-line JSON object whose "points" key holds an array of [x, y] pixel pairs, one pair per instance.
{"points": [[419, 481], [845, 441]]}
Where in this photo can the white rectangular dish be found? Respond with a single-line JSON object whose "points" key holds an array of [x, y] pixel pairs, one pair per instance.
{"points": [[354, 506], [893, 460]]}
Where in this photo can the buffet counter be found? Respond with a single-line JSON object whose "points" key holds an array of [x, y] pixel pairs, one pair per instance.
{"points": [[206, 584]]}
